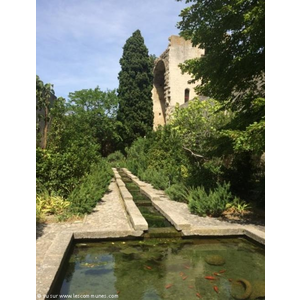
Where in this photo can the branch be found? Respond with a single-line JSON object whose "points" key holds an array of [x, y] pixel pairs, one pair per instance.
{"points": [[194, 154]]}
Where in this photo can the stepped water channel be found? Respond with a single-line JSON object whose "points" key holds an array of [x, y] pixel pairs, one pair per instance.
{"points": [[158, 225]]}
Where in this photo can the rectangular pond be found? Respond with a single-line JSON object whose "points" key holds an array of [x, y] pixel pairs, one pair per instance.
{"points": [[164, 268]]}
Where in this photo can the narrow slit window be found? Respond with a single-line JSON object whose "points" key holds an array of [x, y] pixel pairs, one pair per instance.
{"points": [[186, 95]]}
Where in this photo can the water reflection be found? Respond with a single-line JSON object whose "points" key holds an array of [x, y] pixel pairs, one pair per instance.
{"points": [[166, 269]]}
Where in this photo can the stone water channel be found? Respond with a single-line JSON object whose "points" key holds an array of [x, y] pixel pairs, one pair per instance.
{"points": [[170, 267], [158, 225]]}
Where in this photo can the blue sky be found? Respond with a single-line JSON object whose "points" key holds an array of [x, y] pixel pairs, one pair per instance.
{"points": [[79, 43]]}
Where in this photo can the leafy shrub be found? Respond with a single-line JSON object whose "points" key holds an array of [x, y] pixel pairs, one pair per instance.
{"points": [[177, 192], [212, 203], [55, 205], [137, 156], [158, 158], [117, 159], [197, 200], [60, 172], [39, 210], [238, 206], [92, 188], [157, 178], [48, 204]]}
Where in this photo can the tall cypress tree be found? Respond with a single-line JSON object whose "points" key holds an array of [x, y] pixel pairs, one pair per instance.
{"points": [[135, 85]]}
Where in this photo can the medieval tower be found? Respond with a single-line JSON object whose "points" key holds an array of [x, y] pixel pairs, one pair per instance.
{"points": [[170, 86]]}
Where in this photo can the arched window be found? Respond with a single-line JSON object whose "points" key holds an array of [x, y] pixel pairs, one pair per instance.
{"points": [[186, 95]]}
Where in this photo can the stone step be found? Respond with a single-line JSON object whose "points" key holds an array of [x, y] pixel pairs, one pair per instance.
{"points": [[172, 216], [137, 220]]}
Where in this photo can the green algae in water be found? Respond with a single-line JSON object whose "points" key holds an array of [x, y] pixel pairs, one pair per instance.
{"points": [[153, 217], [163, 269]]}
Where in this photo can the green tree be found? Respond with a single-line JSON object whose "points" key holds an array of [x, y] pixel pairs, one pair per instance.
{"points": [[72, 146], [44, 99], [98, 109], [152, 57], [71, 150], [232, 32], [135, 85], [199, 128], [198, 125]]}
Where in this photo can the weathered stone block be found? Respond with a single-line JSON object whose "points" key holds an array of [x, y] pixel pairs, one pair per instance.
{"points": [[175, 218], [120, 183], [150, 193], [125, 193], [136, 218]]}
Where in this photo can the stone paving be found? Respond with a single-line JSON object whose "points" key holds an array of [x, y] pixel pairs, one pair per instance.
{"points": [[110, 219], [109, 215], [197, 221]]}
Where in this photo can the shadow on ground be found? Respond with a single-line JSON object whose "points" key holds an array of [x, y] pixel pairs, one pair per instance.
{"points": [[40, 229], [255, 218]]}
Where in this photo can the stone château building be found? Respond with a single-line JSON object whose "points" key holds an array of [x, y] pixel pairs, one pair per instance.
{"points": [[170, 86]]}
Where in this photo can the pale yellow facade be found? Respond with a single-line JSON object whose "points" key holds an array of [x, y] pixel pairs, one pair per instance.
{"points": [[170, 86]]}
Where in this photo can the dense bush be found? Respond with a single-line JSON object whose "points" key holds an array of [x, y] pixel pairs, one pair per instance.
{"points": [[177, 192], [137, 161], [212, 203], [60, 172], [158, 179], [117, 159], [159, 158], [91, 189]]}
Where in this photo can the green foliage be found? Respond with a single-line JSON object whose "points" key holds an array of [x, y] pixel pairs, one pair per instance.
{"points": [[152, 58], [60, 172], [198, 125], [117, 160], [177, 192], [49, 204], [232, 32], [232, 71], [157, 178], [222, 146], [79, 130], [91, 188], [212, 203], [159, 157], [44, 101], [165, 154], [196, 149], [247, 129], [39, 212], [52, 204], [137, 156], [97, 110], [238, 206], [135, 84], [198, 201]]}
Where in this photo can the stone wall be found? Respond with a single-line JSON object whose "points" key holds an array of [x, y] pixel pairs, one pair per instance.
{"points": [[170, 86]]}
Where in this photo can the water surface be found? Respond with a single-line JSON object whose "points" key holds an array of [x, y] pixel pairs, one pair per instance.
{"points": [[164, 268]]}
